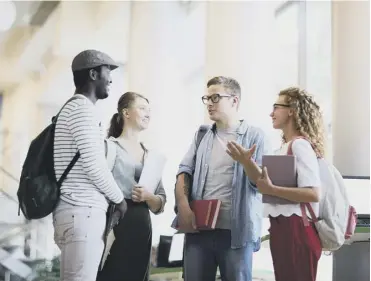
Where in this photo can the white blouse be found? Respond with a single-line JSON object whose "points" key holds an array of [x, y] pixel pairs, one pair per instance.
{"points": [[308, 175]]}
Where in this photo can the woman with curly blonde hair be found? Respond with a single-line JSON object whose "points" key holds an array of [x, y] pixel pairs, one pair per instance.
{"points": [[295, 248], [307, 117]]}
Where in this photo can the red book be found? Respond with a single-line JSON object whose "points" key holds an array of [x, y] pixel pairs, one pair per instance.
{"points": [[206, 213]]}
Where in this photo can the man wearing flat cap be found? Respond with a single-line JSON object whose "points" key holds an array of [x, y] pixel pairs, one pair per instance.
{"points": [[80, 216]]}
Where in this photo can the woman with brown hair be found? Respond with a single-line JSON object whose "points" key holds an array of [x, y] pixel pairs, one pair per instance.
{"points": [[295, 248], [129, 257]]}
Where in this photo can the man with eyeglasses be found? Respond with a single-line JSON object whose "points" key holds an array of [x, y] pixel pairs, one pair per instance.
{"points": [[217, 176]]}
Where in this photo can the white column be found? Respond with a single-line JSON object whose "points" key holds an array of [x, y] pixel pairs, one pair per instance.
{"points": [[165, 64], [351, 87], [240, 44]]}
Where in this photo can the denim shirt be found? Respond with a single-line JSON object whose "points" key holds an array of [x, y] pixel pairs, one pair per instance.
{"points": [[247, 206]]}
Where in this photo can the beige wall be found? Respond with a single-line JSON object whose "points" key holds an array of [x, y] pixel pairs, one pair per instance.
{"points": [[351, 74]]}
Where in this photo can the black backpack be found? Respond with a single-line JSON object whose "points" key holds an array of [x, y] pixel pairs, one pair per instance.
{"points": [[200, 134], [39, 190]]}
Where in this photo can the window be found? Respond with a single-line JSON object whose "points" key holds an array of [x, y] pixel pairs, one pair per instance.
{"points": [[318, 63], [287, 45], [303, 52]]}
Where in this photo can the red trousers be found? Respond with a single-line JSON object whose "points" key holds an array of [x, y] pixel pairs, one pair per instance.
{"points": [[295, 249]]}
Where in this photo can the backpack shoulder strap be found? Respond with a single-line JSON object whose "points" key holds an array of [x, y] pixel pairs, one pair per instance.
{"points": [[200, 134], [77, 155], [303, 206], [68, 169], [110, 153], [74, 97], [289, 150]]}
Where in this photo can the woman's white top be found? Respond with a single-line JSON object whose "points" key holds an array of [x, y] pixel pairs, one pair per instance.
{"points": [[308, 175]]}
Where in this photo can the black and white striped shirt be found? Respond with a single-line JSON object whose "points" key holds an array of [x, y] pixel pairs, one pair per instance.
{"points": [[89, 183]]}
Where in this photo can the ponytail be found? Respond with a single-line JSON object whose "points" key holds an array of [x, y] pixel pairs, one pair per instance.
{"points": [[117, 120], [116, 125]]}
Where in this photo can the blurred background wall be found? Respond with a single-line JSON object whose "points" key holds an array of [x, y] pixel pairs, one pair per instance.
{"points": [[167, 51]]}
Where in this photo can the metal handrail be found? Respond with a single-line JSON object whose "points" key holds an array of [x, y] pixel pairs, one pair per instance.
{"points": [[12, 177], [9, 175]]}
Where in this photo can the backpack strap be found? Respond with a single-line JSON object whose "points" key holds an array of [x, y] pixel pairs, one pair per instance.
{"points": [[304, 213], [77, 155], [202, 130], [74, 97], [110, 153], [303, 205], [200, 134], [289, 150], [68, 169]]}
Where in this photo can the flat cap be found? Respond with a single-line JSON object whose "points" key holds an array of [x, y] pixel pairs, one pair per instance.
{"points": [[92, 58]]}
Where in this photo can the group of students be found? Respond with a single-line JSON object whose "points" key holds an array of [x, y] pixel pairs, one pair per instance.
{"points": [[225, 165]]}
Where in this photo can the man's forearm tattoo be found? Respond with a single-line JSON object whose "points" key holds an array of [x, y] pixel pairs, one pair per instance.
{"points": [[186, 191], [187, 184]]}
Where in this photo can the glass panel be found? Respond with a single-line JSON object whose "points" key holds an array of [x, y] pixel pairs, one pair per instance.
{"points": [[318, 60], [287, 47]]}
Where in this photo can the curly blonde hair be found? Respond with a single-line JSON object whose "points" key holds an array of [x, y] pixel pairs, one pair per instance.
{"points": [[307, 117]]}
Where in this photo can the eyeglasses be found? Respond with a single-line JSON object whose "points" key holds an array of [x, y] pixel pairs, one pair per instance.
{"points": [[215, 98], [278, 105]]}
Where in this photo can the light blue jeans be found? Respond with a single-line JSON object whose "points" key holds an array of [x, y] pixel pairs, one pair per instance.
{"points": [[207, 250], [78, 232]]}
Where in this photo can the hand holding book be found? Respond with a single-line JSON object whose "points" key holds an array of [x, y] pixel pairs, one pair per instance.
{"points": [[282, 172], [140, 194], [186, 220], [200, 215], [264, 183]]}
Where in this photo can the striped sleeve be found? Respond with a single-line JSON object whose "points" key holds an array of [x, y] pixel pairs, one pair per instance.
{"points": [[160, 192], [86, 134]]}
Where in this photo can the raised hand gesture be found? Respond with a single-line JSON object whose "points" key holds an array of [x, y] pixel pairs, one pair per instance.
{"points": [[238, 153]]}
